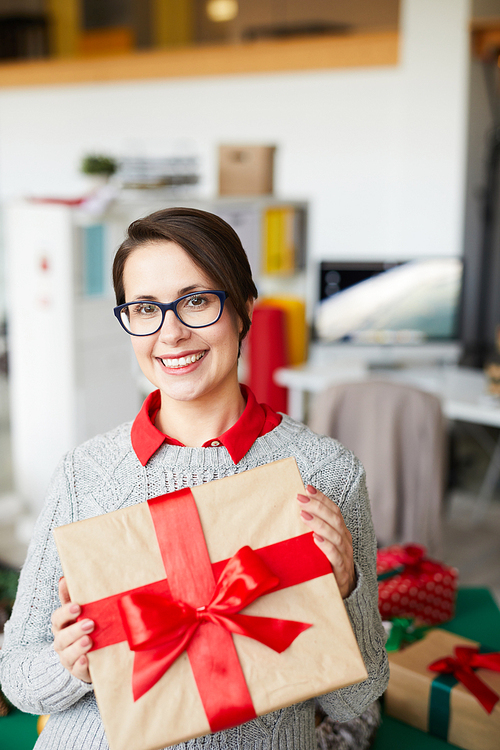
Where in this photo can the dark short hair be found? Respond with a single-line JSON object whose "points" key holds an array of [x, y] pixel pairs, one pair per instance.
{"points": [[210, 242]]}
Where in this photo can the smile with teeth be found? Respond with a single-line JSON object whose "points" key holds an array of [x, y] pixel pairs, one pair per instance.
{"points": [[182, 361]]}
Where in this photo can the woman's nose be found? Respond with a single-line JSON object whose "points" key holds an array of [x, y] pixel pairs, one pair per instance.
{"points": [[172, 329]]}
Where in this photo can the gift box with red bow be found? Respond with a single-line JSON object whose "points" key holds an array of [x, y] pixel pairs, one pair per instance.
{"points": [[448, 686], [212, 605], [412, 585]]}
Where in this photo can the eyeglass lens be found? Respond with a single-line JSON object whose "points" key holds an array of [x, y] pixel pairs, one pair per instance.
{"points": [[195, 310]]}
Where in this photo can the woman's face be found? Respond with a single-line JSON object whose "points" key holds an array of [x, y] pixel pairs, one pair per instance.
{"points": [[162, 272]]}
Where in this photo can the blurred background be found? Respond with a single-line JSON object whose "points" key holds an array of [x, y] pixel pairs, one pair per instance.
{"points": [[353, 144]]}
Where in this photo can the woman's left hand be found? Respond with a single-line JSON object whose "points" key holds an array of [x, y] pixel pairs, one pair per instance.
{"points": [[331, 535]]}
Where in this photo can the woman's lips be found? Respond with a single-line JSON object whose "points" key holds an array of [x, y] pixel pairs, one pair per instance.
{"points": [[174, 363]]}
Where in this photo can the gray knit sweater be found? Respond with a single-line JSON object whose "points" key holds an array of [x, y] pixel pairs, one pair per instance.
{"points": [[104, 474]]}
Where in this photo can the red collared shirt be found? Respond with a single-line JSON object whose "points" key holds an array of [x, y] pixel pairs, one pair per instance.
{"points": [[256, 420]]}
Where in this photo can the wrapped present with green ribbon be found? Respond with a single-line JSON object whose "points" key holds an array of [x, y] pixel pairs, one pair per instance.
{"points": [[448, 686], [402, 632]]}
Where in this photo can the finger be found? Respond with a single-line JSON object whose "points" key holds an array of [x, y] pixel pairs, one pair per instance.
{"points": [[63, 591], [324, 529], [74, 658], [331, 535], [338, 542], [342, 565], [66, 637], [81, 669], [320, 506], [339, 561], [324, 505], [64, 616], [314, 511]]}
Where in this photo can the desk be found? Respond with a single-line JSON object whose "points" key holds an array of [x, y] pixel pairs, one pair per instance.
{"points": [[462, 392]]}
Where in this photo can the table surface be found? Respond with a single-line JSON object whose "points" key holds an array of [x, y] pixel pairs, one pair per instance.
{"points": [[477, 616], [462, 390]]}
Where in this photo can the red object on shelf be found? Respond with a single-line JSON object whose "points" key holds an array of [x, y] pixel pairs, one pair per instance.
{"points": [[267, 345], [61, 201]]}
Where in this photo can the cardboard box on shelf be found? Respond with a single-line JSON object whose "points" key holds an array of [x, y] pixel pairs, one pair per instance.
{"points": [[246, 170], [167, 549]]}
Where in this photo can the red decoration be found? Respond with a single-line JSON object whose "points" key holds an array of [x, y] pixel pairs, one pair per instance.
{"points": [[462, 666], [412, 585], [197, 607], [163, 628], [267, 353]]}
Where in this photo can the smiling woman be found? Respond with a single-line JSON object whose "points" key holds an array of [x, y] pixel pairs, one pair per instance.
{"points": [[185, 295], [188, 364]]}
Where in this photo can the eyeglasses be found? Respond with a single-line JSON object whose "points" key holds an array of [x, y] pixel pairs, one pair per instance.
{"points": [[196, 310]]}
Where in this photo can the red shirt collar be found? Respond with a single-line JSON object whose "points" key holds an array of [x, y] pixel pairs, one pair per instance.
{"points": [[256, 420]]}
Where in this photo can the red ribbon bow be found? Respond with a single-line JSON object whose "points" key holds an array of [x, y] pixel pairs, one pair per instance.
{"points": [[412, 558], [411, 554], [462, 665], [159, 629]]}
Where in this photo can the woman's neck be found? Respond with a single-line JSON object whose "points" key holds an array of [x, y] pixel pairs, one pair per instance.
{"points": [[193, 423]]}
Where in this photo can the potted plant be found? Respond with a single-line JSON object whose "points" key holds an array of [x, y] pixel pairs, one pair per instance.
{"points": [[99, 168]]}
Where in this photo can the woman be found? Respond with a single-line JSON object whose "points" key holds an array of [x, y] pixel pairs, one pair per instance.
{"points": [[185, 294]]}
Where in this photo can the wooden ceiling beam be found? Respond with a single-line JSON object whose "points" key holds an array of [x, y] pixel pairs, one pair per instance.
{"points": [[276, 56]]}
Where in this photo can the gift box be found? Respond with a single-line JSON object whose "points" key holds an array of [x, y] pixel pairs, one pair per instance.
{"points": [[448, 686], [178, 649], [246, 170], [412, 585]]}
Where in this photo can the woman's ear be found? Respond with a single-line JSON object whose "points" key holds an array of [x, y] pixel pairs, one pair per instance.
{"points": [[249, 306]]}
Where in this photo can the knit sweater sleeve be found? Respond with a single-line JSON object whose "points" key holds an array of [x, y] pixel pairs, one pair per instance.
{"points": [[362, 604], [31, 674]]}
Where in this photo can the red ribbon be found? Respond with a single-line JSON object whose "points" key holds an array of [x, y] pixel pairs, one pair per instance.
{"points": [[462, 666], [411, 554], [190, 611], [412, 558], [164, 627]]}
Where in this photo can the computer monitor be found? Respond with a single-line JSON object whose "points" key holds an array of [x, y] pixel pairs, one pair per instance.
{"points": [[395, 303]]}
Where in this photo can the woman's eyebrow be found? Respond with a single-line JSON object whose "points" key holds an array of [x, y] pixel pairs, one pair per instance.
{"points": [[144, 297], [191, 288], [180, 293]]}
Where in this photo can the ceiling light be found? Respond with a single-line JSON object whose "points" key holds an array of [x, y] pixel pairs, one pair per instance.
{"points": [[222, 10]]}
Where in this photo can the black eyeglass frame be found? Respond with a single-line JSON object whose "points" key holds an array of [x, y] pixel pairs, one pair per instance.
{"points": [[166, 306]]}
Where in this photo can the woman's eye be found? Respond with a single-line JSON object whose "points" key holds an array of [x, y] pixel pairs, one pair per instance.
{"points": [[196, 301], [144, 309]]}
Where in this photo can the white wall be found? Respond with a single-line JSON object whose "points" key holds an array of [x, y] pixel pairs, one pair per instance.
{"points": [[379, 152]]}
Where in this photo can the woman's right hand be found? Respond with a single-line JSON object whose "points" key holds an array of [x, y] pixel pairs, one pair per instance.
{"points": [[71, 638]]}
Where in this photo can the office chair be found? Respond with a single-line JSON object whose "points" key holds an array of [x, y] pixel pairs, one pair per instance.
{"points": [[398, 433]]}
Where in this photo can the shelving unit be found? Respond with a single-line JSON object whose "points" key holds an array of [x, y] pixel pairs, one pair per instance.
{"points": [[72, 371]]}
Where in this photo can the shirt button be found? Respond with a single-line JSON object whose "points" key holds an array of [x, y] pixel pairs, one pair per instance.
{"points": [[215, 443]]}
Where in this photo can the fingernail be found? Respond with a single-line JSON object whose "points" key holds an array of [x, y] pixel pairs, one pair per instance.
{"points": [[318, 537], [75, 609], [306, 516], [302, 499], [85, 641], [312, 490], [87, 626]]}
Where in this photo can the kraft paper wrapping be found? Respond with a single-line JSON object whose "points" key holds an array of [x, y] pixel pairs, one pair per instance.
{"points": [[118, 551], [407, 696]]}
